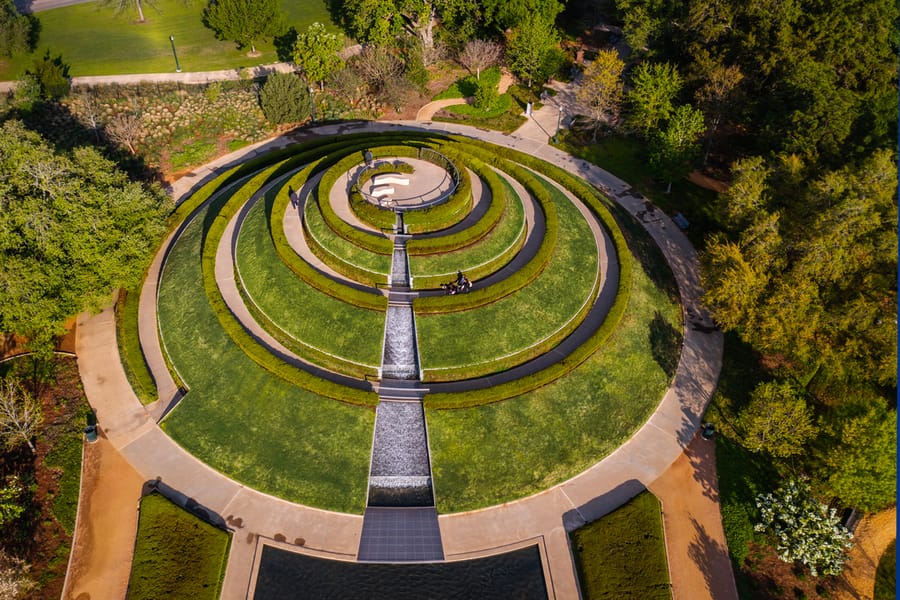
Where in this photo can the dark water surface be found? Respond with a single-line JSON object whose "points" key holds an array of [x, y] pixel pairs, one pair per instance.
{"points": [[516, 575]]}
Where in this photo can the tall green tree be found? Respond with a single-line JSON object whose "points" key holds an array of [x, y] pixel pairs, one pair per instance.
{"points": [[73, 228], [812, 275], [652, 96], [244, 21], [777, 421], [15, 30], [317, 53], [529, 48], [285, 99], [676, 148], [502, 15], [859, 461], [601, 89]]}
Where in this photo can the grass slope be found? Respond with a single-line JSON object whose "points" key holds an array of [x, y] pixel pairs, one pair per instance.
{"points": [[242, 420], [502, 237], [521, 319], [623, 555], [299, 309], [495, 453], [176, 555], [95, 40]]}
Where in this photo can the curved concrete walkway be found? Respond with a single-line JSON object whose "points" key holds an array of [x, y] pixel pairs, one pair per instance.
{"points": [[544, 518]]}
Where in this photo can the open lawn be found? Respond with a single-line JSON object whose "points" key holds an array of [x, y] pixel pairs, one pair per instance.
{"points": [[308, 315], [524, 318], [623, 555], [243, 420], [495, 453], [176, 555], [95, 40]]}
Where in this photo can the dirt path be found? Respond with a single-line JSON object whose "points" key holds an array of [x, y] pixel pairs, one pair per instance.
{"points": [[427, 112], [107, 522], [873, 534], [695, 541]]}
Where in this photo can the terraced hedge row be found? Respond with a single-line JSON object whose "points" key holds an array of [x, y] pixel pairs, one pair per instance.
{"points": [[222, 210], [358, 297], [525, 275]]}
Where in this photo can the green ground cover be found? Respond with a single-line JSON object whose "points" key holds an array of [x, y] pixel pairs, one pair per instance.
{"points": [[623, 555], [96, 40], [625, 157], [243, 420], [501, 238], [176, 555], [132, 357], [479, 336], [341, 249], [498, 452], [300, 310], [467, 86]]}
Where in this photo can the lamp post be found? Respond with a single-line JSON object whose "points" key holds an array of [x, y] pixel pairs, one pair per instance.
{"points": [[175, 54], [558, 123]]}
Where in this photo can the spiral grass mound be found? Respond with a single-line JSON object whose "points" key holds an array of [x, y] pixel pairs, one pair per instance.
{"points": [[272, 302]]}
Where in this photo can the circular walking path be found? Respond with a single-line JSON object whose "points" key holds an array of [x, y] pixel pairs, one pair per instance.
{"points": [[544, 518]]}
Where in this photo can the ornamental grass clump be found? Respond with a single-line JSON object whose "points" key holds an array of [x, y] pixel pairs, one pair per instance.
{"points": [[804, 529]]}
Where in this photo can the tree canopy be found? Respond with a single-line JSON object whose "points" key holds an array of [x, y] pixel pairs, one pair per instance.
{"points": [[16, 30], [72, 229], [316, 52], [244, 21]]}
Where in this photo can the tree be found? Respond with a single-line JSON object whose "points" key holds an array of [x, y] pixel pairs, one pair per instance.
{"points": [[503, 15], [284, 99], [11, 505], [655, 86], [73, 228], [244, 21], [485, 95], [804, 529], [530, 46], [125, 128], [777, 420], [676, 147], [601, 89], [317, 52], [51, 75], [715, 98], [15, 30], [859, 462], [478, 55], [20, 416]]}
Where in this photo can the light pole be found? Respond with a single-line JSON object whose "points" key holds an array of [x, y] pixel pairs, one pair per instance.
{"points": [[312, 97], [175, 54], [558, 123]]}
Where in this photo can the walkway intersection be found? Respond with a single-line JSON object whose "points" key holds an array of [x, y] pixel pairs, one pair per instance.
{"points": [[544, 518]]}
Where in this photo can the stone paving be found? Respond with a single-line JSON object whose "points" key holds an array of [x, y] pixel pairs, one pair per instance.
{"points": [[544, 518]]}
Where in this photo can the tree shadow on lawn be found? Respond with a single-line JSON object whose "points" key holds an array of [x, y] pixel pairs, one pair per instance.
{"points": [[665, 344]]}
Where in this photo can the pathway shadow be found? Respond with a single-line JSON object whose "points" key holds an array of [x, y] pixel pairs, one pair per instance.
{"points": [[182, 500], [602, 505], [702, 455], [665, 344], [711, 558]]}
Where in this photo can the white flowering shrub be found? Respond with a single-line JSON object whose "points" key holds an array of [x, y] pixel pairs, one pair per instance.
{"points": [[805, 530]]}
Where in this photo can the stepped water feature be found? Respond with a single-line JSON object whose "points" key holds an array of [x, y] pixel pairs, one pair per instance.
{"points": [[400, 523]]}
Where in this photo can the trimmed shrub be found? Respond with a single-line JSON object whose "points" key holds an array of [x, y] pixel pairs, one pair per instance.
{"points": [[284, 99]]}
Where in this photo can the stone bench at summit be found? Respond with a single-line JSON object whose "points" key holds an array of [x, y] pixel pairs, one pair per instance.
{"points": [[390, 179]]}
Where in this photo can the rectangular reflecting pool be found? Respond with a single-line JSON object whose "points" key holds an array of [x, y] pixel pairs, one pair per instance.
{"points": [[516, 575]]}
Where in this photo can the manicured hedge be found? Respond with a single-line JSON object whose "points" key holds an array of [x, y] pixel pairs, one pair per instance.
{"points": [[130, 352], [522, 277], [479, 229], [449, 212], [487, 267], [596, 202], [522, 356], [336, 289], [221, 212]]}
